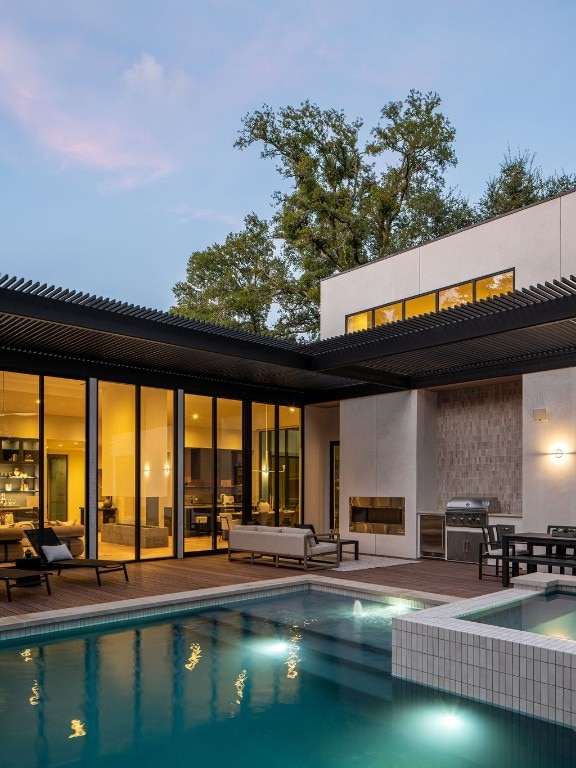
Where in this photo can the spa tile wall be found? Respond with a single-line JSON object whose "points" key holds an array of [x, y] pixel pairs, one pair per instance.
{"points": [[480, 444]]}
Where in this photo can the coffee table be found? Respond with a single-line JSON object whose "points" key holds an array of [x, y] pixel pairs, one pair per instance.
{"points": [[19, 577], [342, 543]]}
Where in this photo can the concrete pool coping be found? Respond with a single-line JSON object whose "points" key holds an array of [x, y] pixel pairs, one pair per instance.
{"points": [[33, 625], [521, 671]]}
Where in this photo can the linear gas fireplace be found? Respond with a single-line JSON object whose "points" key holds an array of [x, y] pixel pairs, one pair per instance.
{"points": [[377, 514]]}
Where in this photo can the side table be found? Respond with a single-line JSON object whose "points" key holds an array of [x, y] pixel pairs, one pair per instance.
{"points": [[24, 577], [33, 563], [343, 543]]}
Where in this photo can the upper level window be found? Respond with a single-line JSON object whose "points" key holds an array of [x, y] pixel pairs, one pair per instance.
{"points": [[390, 313], [443, 298], [456, 295], [420, 305], [494, 285], [361, 321]]}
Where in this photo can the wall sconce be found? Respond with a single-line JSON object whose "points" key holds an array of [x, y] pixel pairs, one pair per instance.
{"points": [[539, 415], [166, 470], [146, 470], [559, 453]]}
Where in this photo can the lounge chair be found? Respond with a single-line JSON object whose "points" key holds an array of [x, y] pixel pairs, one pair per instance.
{"points": [[56, 555]]}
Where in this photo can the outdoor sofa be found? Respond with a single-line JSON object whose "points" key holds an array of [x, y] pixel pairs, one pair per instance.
{"points": [[290, 547]]}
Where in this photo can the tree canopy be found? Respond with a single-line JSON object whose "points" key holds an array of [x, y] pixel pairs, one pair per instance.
{"points": [[344, 202], [519, 183], [234, 283]]}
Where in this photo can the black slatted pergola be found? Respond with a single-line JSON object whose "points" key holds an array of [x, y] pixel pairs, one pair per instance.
{"points": [[45, 329]]}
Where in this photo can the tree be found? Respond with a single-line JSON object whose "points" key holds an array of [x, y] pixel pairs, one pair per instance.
{"points": [[235, 283], [520, 183], [342, 204], [317, 152], [408, 204], [339, 211]]}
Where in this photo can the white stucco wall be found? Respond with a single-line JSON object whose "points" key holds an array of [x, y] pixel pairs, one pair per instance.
{"points": [[549, 483], [379, 451], [389, 442], [321, 427], [539, 241]]}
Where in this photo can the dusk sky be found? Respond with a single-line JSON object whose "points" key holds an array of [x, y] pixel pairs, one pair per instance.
{"points": [[118, 117]]}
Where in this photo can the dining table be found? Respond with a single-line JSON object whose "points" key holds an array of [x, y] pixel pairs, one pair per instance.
{"points": [[540, 549]]}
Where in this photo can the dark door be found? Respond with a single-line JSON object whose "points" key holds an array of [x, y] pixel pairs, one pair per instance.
{"points": [[335, 484], [57, 487]]}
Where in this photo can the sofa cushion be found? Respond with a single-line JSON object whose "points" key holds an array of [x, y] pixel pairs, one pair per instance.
{"points": [[56, 552], [10, 533], [67, 531], [324, 548]]}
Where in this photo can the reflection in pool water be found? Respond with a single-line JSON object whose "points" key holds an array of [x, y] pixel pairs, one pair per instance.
{"points": [[553, 615], [303, 680]]}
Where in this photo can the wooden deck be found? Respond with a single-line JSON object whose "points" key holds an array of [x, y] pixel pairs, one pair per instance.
{"points": [[79, 588]]}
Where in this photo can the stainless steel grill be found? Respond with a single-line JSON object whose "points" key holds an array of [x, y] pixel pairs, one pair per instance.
{"points": [[464, 516], [471, 511]]}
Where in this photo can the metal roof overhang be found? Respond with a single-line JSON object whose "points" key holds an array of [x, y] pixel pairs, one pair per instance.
{"points": [[528, 330], [63, 332]]}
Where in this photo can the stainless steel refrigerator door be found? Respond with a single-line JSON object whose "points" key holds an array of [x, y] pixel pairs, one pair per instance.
{"points": [[432, 535]]}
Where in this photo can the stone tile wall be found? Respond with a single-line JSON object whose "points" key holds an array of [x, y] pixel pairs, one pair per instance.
{"points": [[480, 444]]}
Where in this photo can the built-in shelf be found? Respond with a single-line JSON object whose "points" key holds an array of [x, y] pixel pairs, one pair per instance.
{"points": [[19, 465]]}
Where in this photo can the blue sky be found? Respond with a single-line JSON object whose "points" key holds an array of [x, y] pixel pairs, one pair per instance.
{"points": [[118, 117]]}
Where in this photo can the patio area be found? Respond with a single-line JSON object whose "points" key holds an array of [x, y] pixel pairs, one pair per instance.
{"points": [[79, 588]]}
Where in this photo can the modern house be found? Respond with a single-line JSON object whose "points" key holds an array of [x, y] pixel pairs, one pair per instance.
{"points": [[448, 370]]}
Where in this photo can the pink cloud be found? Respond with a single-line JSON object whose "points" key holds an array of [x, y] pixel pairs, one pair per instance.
{"points": [[91, 138]]}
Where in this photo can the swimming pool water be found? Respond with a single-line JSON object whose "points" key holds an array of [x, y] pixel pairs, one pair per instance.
{"points": [[299, 681], [545, 614]]}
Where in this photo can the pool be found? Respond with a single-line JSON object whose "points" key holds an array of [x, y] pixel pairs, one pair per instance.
{"points": [[553, 615], [299, 680]]}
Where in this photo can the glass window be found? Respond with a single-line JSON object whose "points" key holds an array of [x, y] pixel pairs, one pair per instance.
{"points": [[117, 469], [456, 295], [263, 462], [289, 466], [361, 321], [65, 456], [391, 313], [420, 305], [495, 285], [156, 472], [20, 476], [228, 466], [198, 472]]}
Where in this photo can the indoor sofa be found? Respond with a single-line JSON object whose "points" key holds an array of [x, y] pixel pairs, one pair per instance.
{"points": [[10, 543], [13, 539], [292, 547]]}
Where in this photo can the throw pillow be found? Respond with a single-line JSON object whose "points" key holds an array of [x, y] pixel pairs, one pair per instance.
{"points": [[57, 552]]}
